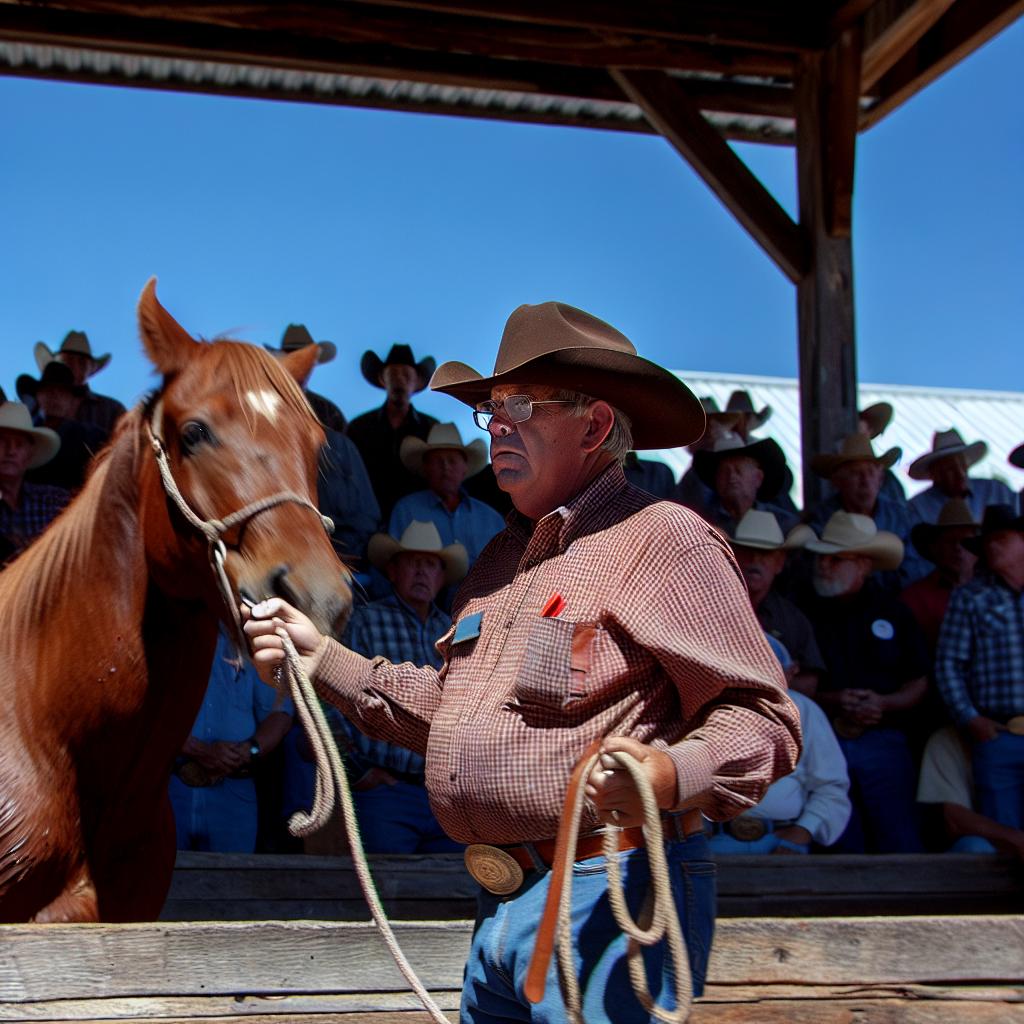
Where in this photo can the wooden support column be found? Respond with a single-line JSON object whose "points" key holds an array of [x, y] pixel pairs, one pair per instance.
{"points": [[827, 88]]}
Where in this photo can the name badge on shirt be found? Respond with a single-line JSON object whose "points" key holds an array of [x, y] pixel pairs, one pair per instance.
{"points": [[468, 628]]}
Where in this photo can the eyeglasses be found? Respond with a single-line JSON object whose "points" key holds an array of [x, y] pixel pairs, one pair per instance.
{"points": [[518, 409]]}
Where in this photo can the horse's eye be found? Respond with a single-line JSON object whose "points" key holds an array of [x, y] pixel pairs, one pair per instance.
{"points": [[195, 434]]}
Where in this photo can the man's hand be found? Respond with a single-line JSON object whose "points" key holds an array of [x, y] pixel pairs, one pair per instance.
{"points": [[982, 729], [611, 788], [266, 623], [792, 834]]}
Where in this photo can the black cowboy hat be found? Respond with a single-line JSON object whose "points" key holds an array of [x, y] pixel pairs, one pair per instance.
{"points": [[372, 366], [996, 519], [766, 453], [55, 374], [297, 336]]}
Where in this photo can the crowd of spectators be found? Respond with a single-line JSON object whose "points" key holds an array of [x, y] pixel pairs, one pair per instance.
{"points": [[899, 623]]}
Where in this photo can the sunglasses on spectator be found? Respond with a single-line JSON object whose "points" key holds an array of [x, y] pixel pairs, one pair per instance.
{"points": [[517, 409]]}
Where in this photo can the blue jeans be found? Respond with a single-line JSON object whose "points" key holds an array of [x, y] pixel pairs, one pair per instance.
{"points": [[883, 784], [506, 929], [398, 819], [220, 818], [972, 844], [724, 844], [999, 779]]}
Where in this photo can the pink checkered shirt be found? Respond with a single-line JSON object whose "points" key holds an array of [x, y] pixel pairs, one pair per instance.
{"points": [[657, 640]]}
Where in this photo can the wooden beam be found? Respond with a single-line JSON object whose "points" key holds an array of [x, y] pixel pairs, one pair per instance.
{"points": [[891, 28], [667, 107], [839, 119]]}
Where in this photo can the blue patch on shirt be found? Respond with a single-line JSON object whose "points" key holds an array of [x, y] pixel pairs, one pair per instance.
{"points": [[468, 628]]}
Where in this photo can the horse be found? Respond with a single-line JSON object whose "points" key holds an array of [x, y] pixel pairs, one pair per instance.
{"points": [[111, 616]]}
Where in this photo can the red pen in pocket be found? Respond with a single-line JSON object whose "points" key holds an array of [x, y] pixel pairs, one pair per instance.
{"points": [[553, 607]]}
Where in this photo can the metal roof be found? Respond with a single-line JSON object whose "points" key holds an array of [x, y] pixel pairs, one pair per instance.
{"points": [[995, 417]]}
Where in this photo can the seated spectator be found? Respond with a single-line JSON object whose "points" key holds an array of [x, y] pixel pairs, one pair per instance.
{"points": [[691, 491], [741, 477], [56, 397], [212, 790], [761, 552], [387, 780], [811, 804], [946, 465], [872, 422], [979, 664], [876, 663], [297, 336], [75, 352], [750, 420], [25, 509], [945, 792], [649, 475]]}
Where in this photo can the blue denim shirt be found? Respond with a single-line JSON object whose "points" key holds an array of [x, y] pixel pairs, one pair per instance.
{"points": [[472, 524]]}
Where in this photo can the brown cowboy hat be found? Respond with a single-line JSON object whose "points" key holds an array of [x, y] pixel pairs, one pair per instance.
{"points": [[854, 448], [946, 442], [996, 519], [420, 536], [45, 442], [372, 366], [741, 403], [956, 513], [74, 341], [876, 418], [766, 453], [297, 336], [54, 375], [760, 529], [850, 533], [564, 347], [443, 437], [712, 412]]}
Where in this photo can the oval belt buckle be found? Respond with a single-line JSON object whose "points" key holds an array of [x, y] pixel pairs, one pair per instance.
{"points": [[747, 828], [497, 871]]}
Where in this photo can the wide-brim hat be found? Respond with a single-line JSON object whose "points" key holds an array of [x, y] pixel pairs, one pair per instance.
{"points": [[766, 453], [421, 537], [55, 374], [956, 513], [372, 366], [297, 336], [442, 437], [946, 442], [741, 403], [854, 448], [850, 533], [712, 412], [560, 346], [1016, 457], [45, 442], [760, 529], [996, 519], [876, 418], [74, 341]]}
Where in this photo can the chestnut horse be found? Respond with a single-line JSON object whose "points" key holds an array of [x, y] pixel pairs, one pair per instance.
{"points": [[110, 619]]}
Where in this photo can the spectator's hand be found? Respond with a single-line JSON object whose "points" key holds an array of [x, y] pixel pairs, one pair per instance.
{"points": [[870, 708], [611, 788], [982, 729], [372, 779], [850, 700], [265, 624], [792, 834]]}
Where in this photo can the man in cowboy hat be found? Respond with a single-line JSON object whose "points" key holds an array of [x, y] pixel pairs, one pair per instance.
{"points": [[297, 336], [444, 462], [25, 509], [761, 551], [75, 352], [748, 419], [691, 491], [872, 421], [388, 780], [979, 664], [946, 465], [598, 612], [876, 663], [378, 433]]}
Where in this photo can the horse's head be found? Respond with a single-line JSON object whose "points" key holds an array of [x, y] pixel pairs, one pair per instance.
{"points": [[237, 430]]}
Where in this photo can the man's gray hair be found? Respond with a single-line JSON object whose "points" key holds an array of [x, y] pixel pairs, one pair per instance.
{"points": [[620, 438]]}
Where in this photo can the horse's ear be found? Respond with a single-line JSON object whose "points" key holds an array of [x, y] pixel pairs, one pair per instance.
{"points": [[167, 343], [300, 362]]}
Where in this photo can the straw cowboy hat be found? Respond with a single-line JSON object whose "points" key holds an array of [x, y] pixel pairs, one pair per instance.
{"points": [[45, 442], [1016, 457], [741, 403], [996, 519], [850, 533], [711, 410], [442, 437], [74, 341], [54, 375], [297, 336], [854, 448], [760, 529], [372, 366], [766, 453], [876, 418], [423, 538], [946, 442], [956, 513], [564, 347]]}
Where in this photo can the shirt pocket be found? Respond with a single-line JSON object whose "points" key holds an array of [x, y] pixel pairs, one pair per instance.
{"points": [[557, 668]]}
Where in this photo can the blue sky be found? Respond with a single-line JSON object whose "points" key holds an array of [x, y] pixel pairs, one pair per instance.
{"points": [[374, 227]]}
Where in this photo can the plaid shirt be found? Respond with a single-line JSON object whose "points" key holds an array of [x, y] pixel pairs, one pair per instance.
{"points": [[979, 664], [38, 506], [657, 640]]}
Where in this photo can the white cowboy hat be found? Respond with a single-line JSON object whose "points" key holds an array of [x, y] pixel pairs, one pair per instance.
{"points": [[297, 336], [854, 448], [850, 533], [74, 341], [761, 530], [45, 442], [421, 537], [442, 437], [946, 442]]}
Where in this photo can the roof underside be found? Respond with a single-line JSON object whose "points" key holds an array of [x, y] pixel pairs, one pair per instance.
{"points": [[543, 62]]}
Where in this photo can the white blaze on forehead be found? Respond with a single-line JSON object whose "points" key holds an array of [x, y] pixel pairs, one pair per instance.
{"points": [[264, 402]]}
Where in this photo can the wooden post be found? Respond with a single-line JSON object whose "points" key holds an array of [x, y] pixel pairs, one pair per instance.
{"points": [[827, 95]]}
